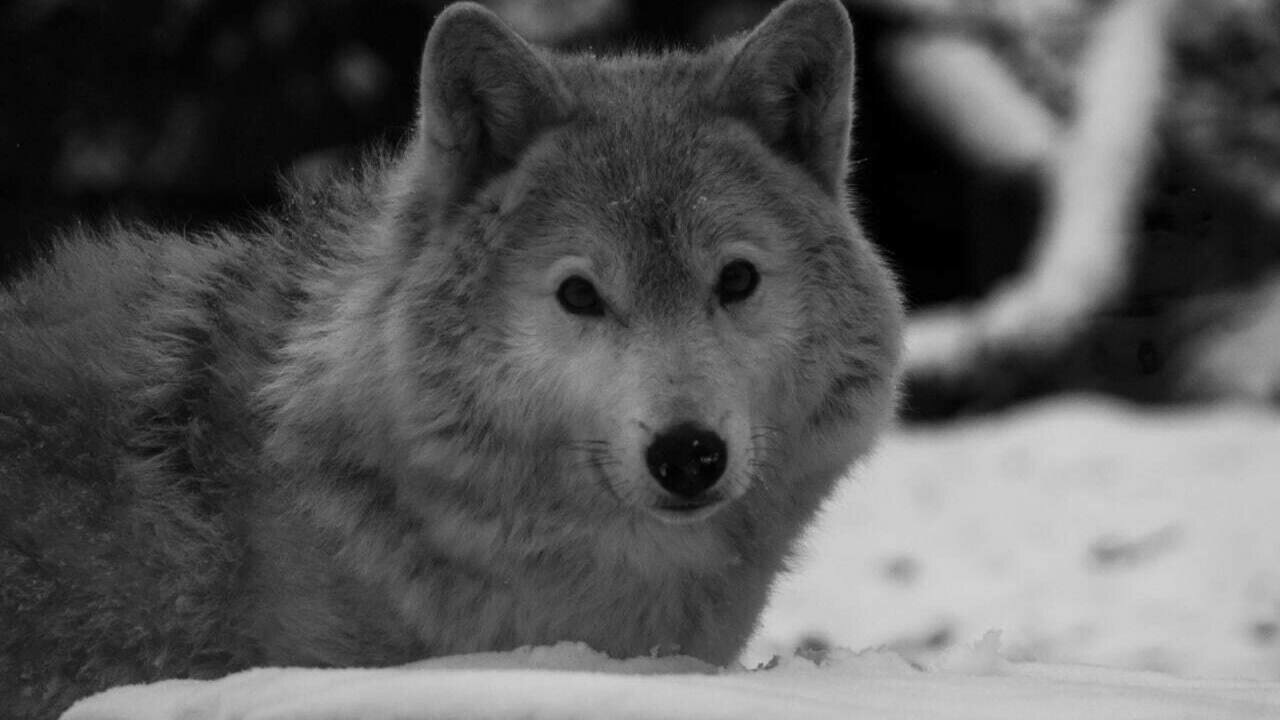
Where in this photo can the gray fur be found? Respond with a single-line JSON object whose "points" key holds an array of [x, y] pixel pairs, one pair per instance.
{"points": [[356, 436]]}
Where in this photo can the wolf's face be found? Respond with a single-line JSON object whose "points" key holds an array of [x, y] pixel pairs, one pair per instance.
{"points": [[663, 304], [663, 346], [670, 299]]}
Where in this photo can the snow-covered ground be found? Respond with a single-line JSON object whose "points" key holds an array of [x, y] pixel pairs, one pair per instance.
{"points": [[570, 681], [1086, 532]]}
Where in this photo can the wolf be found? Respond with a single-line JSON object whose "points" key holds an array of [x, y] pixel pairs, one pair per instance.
{"points": [[579, 361]]}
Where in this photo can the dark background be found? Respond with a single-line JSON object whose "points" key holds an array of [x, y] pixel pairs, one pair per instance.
{"points": [[186, 114]]}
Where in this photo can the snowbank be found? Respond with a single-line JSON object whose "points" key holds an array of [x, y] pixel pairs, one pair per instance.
{"points": [[571, 681]]}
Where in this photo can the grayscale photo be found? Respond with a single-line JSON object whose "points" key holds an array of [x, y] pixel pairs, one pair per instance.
{"points": [[837, 359]]}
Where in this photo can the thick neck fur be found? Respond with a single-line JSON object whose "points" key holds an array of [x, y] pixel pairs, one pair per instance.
{"points": [[420, 433], [402, 515]]}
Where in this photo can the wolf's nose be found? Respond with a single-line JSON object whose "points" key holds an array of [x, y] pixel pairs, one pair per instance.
{"points": [[686, 459]]}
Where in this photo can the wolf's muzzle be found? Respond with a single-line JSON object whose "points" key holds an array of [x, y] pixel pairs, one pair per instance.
{"points": [[687, 459]]}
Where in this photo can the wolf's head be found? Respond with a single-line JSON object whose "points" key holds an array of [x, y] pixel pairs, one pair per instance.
{"points": [[637, 280]]}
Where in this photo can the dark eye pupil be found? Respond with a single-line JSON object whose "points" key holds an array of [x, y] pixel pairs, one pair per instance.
{"points": [[579, 296], [738, 280]]}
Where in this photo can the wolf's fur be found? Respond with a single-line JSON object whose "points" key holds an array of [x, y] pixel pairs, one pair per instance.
{"points": [[368, 433]]}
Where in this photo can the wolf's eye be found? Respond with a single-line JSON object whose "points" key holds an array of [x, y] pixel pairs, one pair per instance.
{"points": [[578, 296], [738, 280]]}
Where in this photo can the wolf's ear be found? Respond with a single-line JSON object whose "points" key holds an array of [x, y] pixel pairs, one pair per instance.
{"points": [[792, 80], [484, 94]]}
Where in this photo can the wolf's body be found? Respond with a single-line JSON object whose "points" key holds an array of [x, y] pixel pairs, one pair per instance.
{"points": [[381, 427]]}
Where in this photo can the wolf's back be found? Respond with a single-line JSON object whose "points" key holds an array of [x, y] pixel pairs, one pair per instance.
{"points": [[104, 558], [74, 349]]}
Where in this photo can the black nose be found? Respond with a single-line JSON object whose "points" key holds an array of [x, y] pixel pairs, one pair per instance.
{"points": [[686, 459]]}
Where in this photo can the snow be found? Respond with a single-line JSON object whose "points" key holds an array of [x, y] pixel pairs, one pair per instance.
{"points": [[1086, 530], [1008, 559], [973, 683]]}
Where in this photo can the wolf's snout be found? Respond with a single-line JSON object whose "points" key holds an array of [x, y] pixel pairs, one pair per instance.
{"points": [[687, 459]]}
